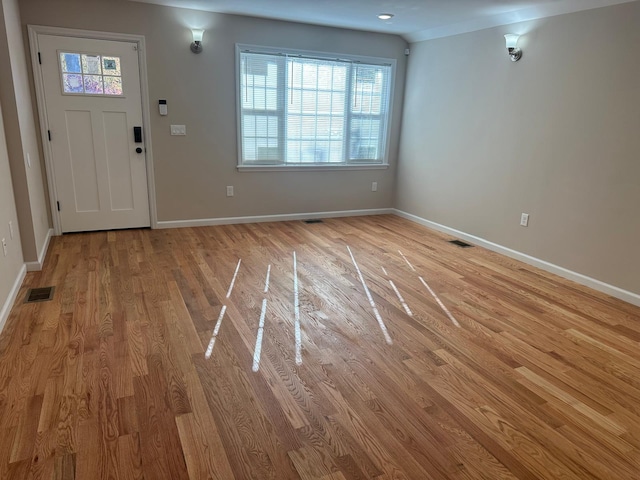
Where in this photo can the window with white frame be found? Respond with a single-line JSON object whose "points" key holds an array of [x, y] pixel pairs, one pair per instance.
{"points": [[301, 109]]}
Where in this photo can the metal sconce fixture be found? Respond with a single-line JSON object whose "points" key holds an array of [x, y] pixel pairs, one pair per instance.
{"points": [[196, 46], [512, 45]]}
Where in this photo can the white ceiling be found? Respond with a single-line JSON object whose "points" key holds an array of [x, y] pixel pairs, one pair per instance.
{"points": [[415, 20]]}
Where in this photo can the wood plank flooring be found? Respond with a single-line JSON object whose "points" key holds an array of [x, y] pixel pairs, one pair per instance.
{"points": [[493, 369]]}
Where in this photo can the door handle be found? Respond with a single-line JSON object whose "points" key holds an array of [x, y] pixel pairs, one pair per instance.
{"points": [[137, 134]]}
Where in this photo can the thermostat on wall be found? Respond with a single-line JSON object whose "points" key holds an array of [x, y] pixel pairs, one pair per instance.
{"points": [[162, 105]]}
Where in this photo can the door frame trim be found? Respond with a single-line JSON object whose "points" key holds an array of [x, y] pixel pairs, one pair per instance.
{"points": [[34, 31]]}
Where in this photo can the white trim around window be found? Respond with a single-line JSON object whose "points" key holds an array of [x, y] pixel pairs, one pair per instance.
{"points": [[302, 110]]}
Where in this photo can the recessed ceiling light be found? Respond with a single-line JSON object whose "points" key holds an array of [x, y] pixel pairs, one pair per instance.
{"points": [[385, 16]]}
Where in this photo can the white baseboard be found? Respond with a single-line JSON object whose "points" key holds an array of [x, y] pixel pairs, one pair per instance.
{"points": [[603, 287], [11, 298], [207, 222], [37, 266]]}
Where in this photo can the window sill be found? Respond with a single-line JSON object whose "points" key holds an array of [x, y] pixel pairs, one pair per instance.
{"points": [[308, 168]]}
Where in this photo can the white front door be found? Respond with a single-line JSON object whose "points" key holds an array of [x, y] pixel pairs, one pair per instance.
{"points": [[93, 106]]}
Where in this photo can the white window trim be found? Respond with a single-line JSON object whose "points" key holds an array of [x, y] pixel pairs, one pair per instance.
{"points": [[240, 47], [311, 167]]}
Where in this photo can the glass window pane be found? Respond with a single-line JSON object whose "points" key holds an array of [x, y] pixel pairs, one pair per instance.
{"points": [[293, 151], [111, 66], [247, 97], [309, 75], [249, 149], [272, 99], [258, 66], [309, 99], [308, 153], [113, 86], [324, 102], [93, 84], [294, 126], [323, 125], [259, 100], [273, 126], [325, 77], [294, 101], [322, 152], [308, 126], [83, 74], [294, 75], [269, 153], [258, 80], [249, 125], [340, 79], [261, 127], [326, 110], [365, 128], [72, 83], [365, 133], [335, 152], [91, 64], [376, 104], [337, 128], [337, 104], [70, 62], [272, 75]]}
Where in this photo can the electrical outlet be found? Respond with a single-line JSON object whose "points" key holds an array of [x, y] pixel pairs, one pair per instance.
{"points": [[374, 186], [4, 247], [11, 229], [229, 191], [524, 220]]}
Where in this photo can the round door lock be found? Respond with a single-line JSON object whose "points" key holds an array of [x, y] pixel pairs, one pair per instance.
{"points": [[138, 150]]}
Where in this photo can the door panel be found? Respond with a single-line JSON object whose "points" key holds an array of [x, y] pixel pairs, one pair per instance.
{"points": [[84, 175], [93, 102], [118, 165]]}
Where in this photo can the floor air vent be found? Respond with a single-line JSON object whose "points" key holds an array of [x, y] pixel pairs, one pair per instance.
{"points": [[460, 243], [313, 220], [39, 295]]}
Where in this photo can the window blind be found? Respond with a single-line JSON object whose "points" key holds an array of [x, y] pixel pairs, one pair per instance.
{"points": [[304, 110]]}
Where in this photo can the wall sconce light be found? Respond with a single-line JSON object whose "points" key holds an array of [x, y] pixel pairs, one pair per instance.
{"points": [[512, 45], [196, 46]]}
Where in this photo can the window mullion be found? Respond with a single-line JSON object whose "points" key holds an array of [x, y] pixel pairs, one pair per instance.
{"points": [[331, 92], [370, 122], [301, 110], [283, 107], [253, 102], [385, 101], [315, 132], [346, 134]]}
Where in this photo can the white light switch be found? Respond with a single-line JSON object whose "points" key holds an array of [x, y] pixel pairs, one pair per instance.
{"points": [[178, 129]]}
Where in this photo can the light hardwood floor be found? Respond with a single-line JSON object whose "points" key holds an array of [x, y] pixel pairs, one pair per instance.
{"points": [[115, 378]]}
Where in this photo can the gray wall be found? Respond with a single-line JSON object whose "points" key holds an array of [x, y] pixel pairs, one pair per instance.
{"points": [[11, 265], [556, 135], [20, 129], [483, 139], [191, 172]]}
